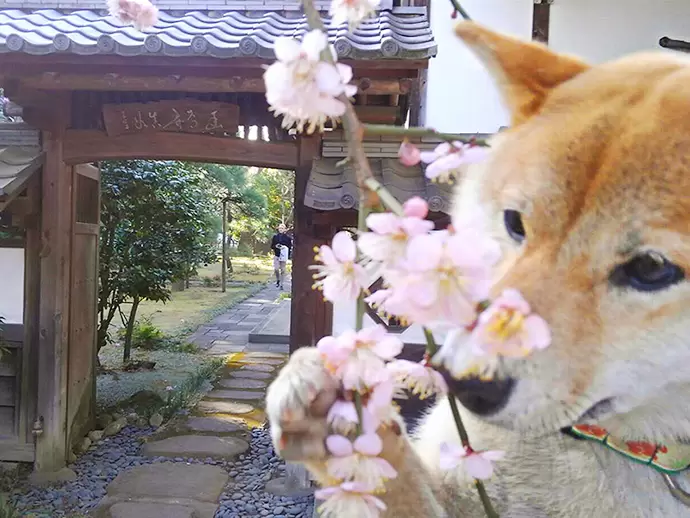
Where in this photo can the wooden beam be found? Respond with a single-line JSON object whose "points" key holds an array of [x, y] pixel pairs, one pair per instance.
{"points": [[56, 233], [541, 19], [84, 146], [177, 83], [377, 114]]}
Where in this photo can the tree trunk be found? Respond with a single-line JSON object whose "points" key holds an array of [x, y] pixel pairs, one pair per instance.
{"points": [[130, 329]]}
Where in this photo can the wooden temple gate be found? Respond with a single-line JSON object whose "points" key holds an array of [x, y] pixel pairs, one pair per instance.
{"points": [[189, 89]]}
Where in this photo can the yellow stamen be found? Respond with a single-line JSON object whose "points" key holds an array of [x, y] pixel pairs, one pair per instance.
{"points": [[506, 324]]}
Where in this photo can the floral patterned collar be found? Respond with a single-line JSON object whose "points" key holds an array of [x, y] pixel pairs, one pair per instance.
{"points": [[669, 459]]}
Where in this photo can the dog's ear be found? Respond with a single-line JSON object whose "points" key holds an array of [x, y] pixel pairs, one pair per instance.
{"points": [[524, 72]]}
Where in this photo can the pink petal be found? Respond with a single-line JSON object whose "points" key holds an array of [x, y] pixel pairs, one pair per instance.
{"points": [[370, 423], [344, 247], [333, 350], [343, 410], [409, 154], [439, 382], [313, 43], [416, 207], [378, 297], [327, 79], [368, 444], [513, 299], [383, 223], [339, 446], [493, 455], [355, 487], [478, 467], [345, 72], [450, 456], [475, 154], [327, 492], [286, 49], [326, 255], [388, 348], [538, 332], [428, 157], [387, 470], [382, 395], [377, 502], [329, 106], [442, 149], [416, 226], [424, 252]]}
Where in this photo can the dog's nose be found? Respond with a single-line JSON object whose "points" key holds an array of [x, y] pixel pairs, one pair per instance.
{"points": [[481, 397]]}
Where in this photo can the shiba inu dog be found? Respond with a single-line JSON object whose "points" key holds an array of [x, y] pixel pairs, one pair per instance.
{"points": [[588, 193]]}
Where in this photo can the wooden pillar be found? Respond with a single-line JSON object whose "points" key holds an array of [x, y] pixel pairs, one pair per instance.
{"points": [[541, 19], [56, 231], [306, 325], [224, 259]]}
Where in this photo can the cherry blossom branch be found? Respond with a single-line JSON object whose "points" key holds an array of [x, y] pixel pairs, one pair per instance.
{"points": [[431, 348], [384, 129]]}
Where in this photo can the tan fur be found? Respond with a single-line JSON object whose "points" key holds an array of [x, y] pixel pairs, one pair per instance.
{"points": [[598, 163]]}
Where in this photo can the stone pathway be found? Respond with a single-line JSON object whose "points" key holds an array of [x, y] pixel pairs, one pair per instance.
{"points": [[227, 426]]}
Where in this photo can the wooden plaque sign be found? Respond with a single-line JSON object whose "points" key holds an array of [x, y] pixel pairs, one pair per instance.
{"points": [[179, 116]]}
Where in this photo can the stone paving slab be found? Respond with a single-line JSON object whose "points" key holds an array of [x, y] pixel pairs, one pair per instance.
{"points": [[242, 384], [198, 482], [241, 395], [258, 367], [196, 447], [216, 424], [224, 407], [151, 510], [251, 375]]}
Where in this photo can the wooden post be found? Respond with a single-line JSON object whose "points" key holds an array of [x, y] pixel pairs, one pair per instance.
{"points": [[224, 259], [541, 20], [56, 257], [303, 297]]}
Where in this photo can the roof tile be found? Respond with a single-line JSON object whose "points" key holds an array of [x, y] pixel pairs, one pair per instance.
{"points": [[226, 35]]}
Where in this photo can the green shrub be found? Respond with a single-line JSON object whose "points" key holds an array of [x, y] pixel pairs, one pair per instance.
{"points": [[7, 510], [146, 335]]}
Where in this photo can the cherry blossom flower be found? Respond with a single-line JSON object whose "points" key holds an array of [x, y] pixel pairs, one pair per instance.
{"points": [[509, 328], [409, 154], [477, 464], [301, 87], [448, 157], [441, 278], [352, 11], [359, 461], [349, 499], [390, 233], [142, 14], [357, 358], [378, 409], [339, 276], [421, 380]]}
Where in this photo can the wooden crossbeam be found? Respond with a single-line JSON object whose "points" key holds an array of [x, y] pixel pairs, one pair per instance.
{"points": [[84, 146], [181, 83]]}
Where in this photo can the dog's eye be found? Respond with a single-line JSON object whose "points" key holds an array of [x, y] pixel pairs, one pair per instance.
{"points": [[647, 272], [514, 226]]}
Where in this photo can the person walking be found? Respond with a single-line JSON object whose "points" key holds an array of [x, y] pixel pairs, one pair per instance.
{"points": [[281, 244]]}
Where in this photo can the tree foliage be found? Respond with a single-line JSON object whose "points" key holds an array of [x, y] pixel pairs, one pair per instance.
{"points": [[157, 225]]}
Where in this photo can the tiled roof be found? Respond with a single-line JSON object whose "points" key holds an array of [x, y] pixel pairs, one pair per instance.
{"points": [[17, 164], [222, 34], [331, 187]]}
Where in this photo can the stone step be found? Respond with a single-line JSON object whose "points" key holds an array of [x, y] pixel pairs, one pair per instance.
{"points": [[215, 424], [171, 485], [196, 447], [224, 407], [242, 395], [251, 375], [242, 384]]}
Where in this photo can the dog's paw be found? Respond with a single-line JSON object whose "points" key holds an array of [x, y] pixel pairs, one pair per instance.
{"points": [[297, 403]]}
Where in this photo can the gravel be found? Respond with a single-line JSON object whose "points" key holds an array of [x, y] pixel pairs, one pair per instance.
{"points": [[243, 497]]}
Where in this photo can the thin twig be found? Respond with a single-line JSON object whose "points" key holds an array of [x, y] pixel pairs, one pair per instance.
{"points": [[459, 9], [385, 129], [431, 349]]}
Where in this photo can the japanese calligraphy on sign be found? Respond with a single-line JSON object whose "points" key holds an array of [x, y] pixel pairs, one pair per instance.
{"points": [[180, 116]]}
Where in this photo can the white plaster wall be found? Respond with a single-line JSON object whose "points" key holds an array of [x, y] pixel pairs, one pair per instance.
{"points": [[460, 95], [600, 31], [12, 285]]}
